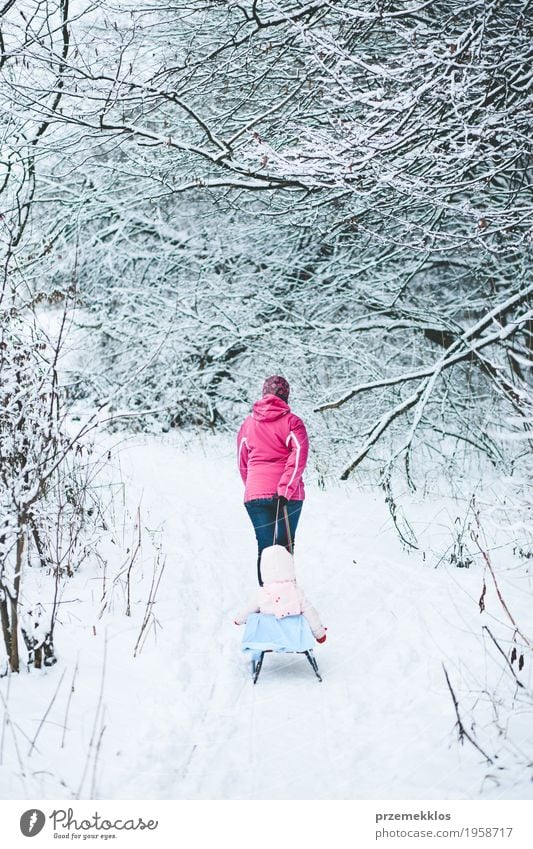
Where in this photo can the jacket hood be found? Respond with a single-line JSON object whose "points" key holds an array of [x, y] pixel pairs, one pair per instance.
{"points": [[270, 408], [277, 565]]}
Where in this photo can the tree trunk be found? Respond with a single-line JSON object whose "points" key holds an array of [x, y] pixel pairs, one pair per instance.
{"points": [[14, 659], [4, 618]]}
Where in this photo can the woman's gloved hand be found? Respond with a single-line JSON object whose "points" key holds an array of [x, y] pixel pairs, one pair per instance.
{"points": [[282, 501]]}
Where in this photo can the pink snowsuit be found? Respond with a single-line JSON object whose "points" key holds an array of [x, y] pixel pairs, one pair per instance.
{"points": [[273, 447], [280, 593]]}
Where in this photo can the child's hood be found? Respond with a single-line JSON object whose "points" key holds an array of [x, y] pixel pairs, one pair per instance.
{"points": [[277, 565]]}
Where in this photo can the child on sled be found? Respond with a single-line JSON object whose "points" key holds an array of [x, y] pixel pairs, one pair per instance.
{"points": [[280, 595]]}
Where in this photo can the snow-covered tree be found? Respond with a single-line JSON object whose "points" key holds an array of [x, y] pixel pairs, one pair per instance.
{"points": [[42, 482], [351, 182]]}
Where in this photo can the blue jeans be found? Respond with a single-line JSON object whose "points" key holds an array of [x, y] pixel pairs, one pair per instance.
{"points": [[262, 512]]}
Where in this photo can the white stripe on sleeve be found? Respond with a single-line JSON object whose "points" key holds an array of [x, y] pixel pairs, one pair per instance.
{"points": [[244, 441], [298, 449]]}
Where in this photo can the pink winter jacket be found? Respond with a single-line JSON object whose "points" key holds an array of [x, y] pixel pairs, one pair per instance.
{"points": [[280, 593], [272, 451]]}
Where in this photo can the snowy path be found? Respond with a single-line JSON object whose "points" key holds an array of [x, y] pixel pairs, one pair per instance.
{"points": [[183, 719]]}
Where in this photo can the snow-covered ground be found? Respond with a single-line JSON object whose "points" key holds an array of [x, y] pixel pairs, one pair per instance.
{"points": [[182, 720]]}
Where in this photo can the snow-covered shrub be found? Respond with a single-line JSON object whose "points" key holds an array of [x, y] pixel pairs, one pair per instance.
{"points": [[44, 492]]}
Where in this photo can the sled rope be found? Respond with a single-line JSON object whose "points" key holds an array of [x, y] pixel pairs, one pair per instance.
{"points": [[287, 527]]}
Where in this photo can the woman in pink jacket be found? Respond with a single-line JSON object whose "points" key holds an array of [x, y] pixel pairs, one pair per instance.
{"points": [[272, 450]]}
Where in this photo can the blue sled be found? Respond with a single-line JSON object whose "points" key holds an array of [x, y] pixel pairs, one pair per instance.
{"points": [[264, 633]]}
